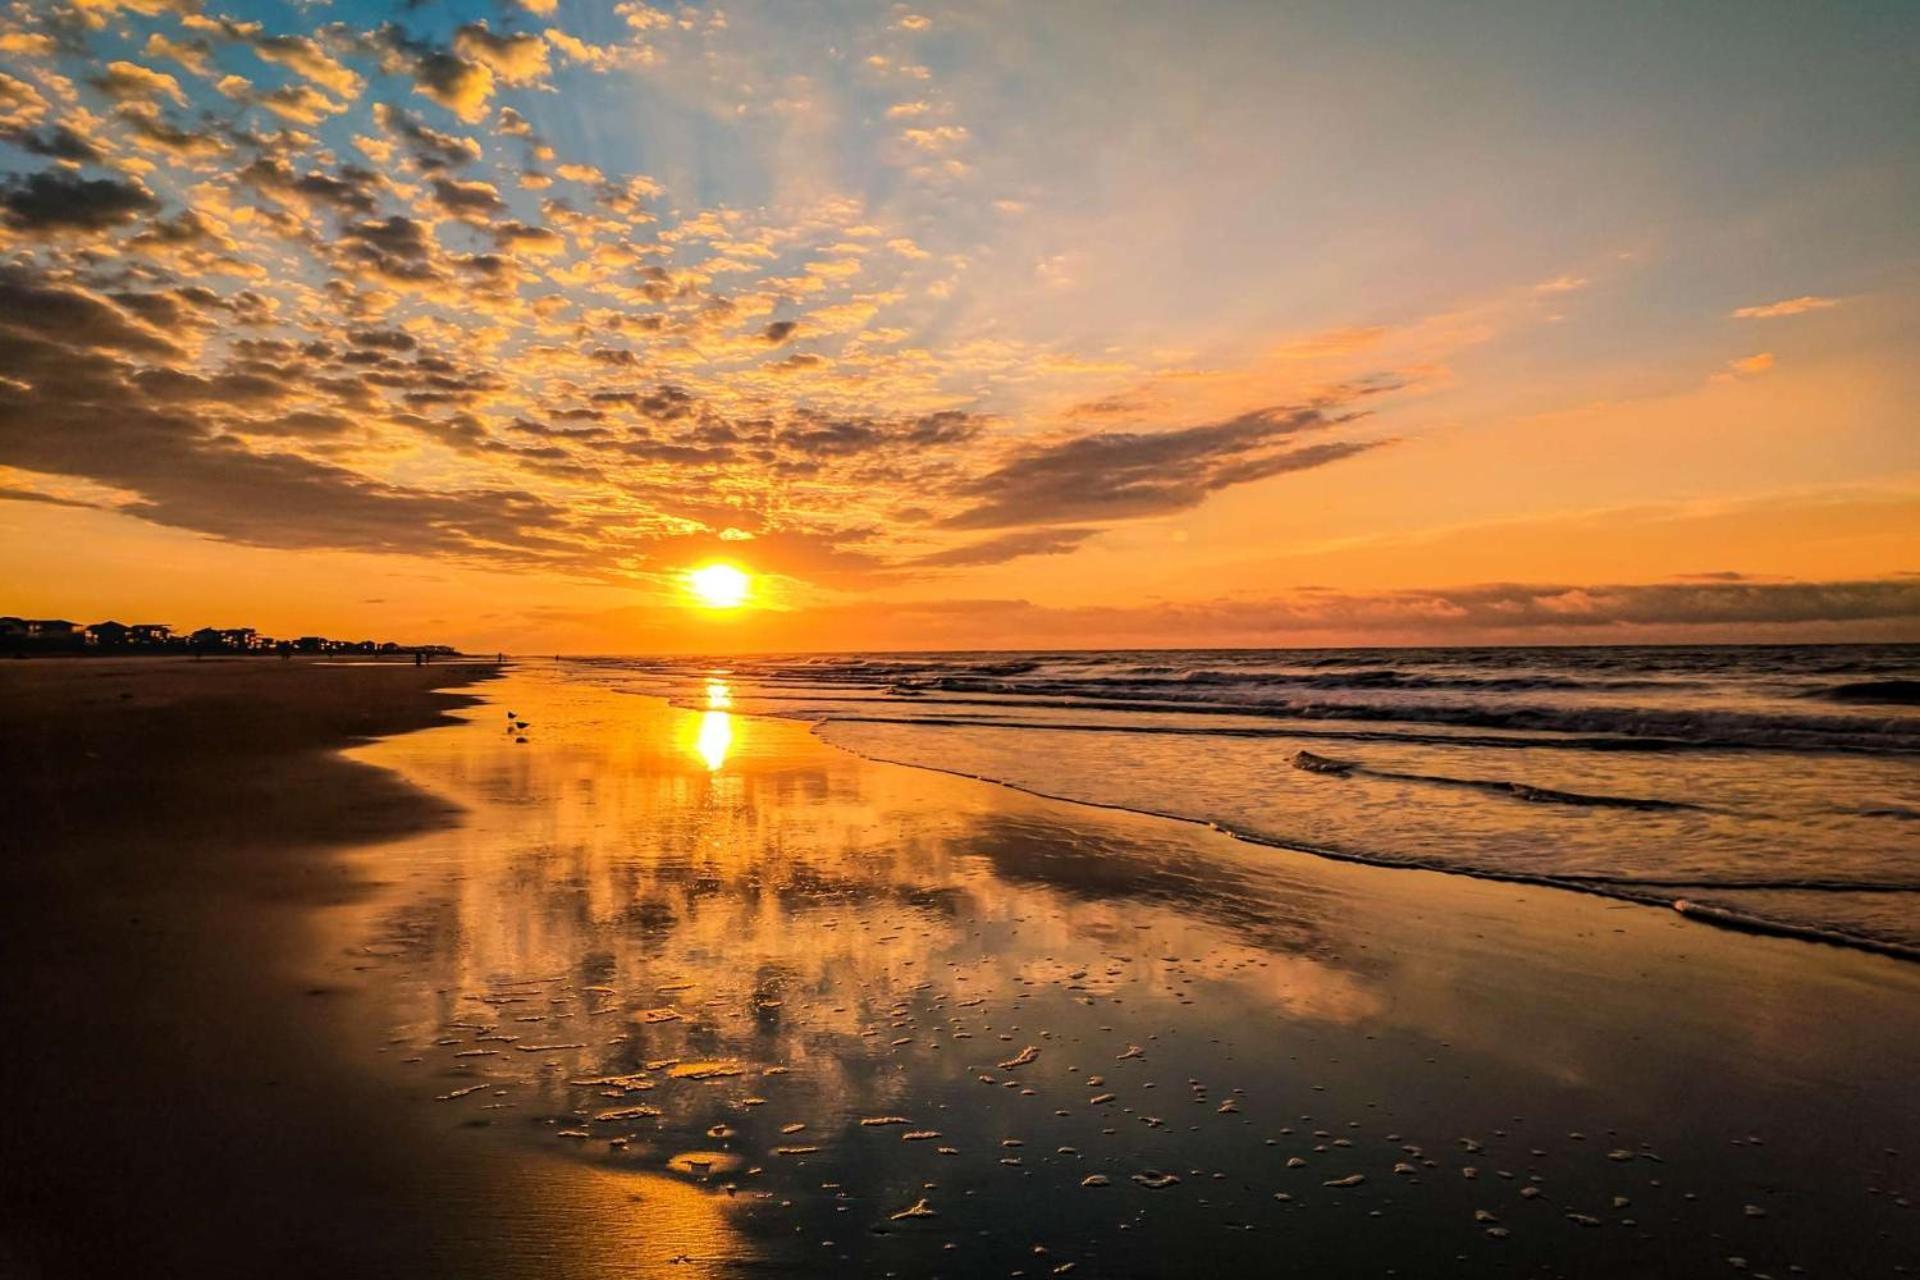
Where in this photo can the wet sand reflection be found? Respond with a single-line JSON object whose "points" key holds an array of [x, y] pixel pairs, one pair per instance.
{"points": [[884, 1019]]}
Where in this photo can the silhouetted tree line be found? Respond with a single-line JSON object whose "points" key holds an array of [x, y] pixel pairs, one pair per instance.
{"points": [[57, 635]]}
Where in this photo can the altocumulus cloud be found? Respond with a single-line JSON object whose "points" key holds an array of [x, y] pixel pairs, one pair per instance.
{"points": [[333, 287]]}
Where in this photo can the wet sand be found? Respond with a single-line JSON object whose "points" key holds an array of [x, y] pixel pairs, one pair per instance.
{"points": [[657, 991]]}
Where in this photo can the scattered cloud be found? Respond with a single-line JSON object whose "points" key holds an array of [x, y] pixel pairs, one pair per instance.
{"points": [[516, 58], [127, 80], [61, 200], [1749, 366], [1786, 307]]}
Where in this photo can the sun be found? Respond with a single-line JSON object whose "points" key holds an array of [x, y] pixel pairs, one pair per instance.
{"points": [[719, 586]]}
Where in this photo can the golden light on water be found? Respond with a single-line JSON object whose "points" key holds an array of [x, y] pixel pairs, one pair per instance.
{"points": [[719, 585]]}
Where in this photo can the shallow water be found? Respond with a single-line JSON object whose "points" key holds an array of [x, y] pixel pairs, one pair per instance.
{"points": [[1777, 786], [824, 1015]]}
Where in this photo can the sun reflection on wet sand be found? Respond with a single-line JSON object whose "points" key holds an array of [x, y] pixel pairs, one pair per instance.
{"points": [[814, 991], [714, 738]]}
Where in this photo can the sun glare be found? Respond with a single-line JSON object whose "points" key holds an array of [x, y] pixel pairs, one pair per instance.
{"points": [[719, 586]]}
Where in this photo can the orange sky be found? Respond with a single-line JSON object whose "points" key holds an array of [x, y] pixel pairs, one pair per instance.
{"points": [[958, 327]]}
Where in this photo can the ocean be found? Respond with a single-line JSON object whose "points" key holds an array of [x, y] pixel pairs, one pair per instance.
{"points": [[1774, 788]]}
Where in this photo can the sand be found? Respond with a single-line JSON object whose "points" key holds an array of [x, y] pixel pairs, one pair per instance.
{"points": [[638, 990], [173, 1106]]}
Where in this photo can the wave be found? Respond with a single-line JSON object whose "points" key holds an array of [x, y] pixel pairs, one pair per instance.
{"points": [[1311, 763], [1899, 693], [1745, 922], [1366, 678], [1645, 892], [810, 710], [1716, 698], [1588, 728]]}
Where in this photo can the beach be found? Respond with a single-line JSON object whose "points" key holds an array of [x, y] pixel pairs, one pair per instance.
{"points": [[546, 977]]}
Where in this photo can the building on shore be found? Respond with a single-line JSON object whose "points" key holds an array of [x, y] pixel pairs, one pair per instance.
{"points": [[21, 636]]}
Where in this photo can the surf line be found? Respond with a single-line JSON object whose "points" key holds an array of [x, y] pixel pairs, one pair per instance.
{"points": [[1702, 912]]}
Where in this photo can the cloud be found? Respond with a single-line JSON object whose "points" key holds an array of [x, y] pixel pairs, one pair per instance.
{"points": [[597, 57], [71, 403], [123, 81], [459, 84], [402, 237], [1787, 307], [1750, 366], [349, 189], [9, 494], [195, 55], [307, 58], [937, 137], [58, 199], [538, 241], [1007, 546], [816, 437], [74, 317], [1507, 606], [383, 339], [298, 103], [466, 199], [517, 59], [302, 55], [56, 142], [154, 132], [21, 104], [1124, 474]]}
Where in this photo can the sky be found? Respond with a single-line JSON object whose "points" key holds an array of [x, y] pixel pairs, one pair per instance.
{"points": [[982, 325]]}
